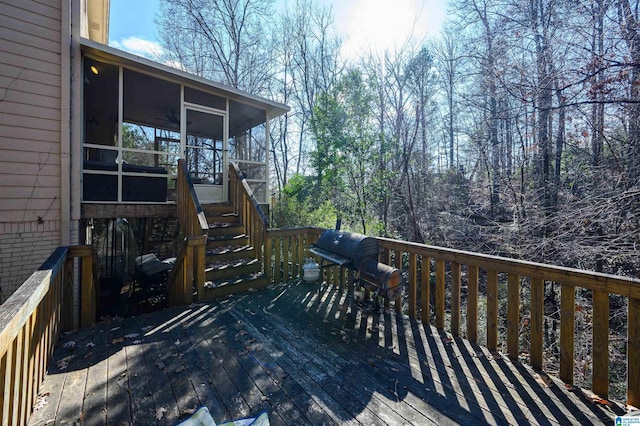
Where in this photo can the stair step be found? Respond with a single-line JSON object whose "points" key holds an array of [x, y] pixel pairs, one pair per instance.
{"points": [[230, 217], [225, 228], [221, 208], [229, 252], [229, 269], [214, 241], [237, 284]]}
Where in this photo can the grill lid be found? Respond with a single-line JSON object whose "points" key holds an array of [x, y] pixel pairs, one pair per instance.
{"points": [[349, 245]]}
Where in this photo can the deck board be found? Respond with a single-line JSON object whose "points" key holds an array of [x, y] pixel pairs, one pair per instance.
{"points": [[308, 355]]}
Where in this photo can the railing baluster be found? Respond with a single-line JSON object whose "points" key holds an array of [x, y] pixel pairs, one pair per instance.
{"points": [[301, 259], [16, 376], [386, 258], [27, 377], [536, 322], [633, 352], [567, 330], [425, 288], [278, 262], [5, 371], [513, 316], [472, 304], [492, 310], [440, 265], [268, 260], [286, 247], [413, 291], [455, 298], [600, 343], [397, 262]]}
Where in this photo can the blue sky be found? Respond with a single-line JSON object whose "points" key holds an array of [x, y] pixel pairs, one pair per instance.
{"points": [[364, 24]]}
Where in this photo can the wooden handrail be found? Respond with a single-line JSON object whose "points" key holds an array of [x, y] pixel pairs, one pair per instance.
{"points": [[189, 268], [252, 217], [193, 221], [286, 251], [30, 322]]}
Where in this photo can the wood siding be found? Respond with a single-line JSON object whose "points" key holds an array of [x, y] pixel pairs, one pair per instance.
{"points": [[30, 136]]}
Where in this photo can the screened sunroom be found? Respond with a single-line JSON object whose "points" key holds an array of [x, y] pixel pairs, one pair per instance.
{"points": [[139, 117]]}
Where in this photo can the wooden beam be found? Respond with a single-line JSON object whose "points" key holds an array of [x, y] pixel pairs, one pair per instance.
{"points": [[112, 211], [87, 293]]}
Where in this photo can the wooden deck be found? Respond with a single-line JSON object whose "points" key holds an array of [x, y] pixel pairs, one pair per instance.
{"points": [[306, 357]]}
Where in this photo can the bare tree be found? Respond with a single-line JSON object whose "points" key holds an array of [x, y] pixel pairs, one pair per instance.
{"points": [[224, 40]]}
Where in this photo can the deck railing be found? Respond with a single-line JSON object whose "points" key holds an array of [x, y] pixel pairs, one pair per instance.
{"points": [[30, 322], [251, 215], [456, 268], [189, 267]]}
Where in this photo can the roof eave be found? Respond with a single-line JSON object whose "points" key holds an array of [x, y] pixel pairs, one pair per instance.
{"points": [[111, 54]]}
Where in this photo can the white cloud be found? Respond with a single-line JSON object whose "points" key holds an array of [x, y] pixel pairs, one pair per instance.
{"points": [[378, 25], [139, 46]]}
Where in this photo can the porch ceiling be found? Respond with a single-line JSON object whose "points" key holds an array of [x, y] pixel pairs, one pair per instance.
{"points": [[112, 55]]}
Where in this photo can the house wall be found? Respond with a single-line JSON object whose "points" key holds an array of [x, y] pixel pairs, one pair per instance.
{"points": [[31, 76]]}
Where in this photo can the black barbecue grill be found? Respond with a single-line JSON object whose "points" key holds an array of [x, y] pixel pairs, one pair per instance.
{"points": [[358, 253]]}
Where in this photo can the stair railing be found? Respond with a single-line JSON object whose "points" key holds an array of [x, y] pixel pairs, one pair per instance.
{"points": [[189, 268], [252, 217]]}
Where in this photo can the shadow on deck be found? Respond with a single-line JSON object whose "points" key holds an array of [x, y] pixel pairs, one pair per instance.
{"points": [[306, 357]]}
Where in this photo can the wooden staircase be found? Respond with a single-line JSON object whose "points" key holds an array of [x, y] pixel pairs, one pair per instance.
{"points": [[223, 244], [232, 264]]}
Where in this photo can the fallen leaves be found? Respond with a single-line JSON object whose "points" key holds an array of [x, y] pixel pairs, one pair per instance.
{"points": [[180, 369], [544, 380], [71, 344], [41, 401], [630, 408], [117, 340], [190, 411], [160, 413], [131, 335], [598, 400], [62, 365]]}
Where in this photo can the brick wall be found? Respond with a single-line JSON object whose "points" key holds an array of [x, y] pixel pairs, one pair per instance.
{"points": [[24, 246]]}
